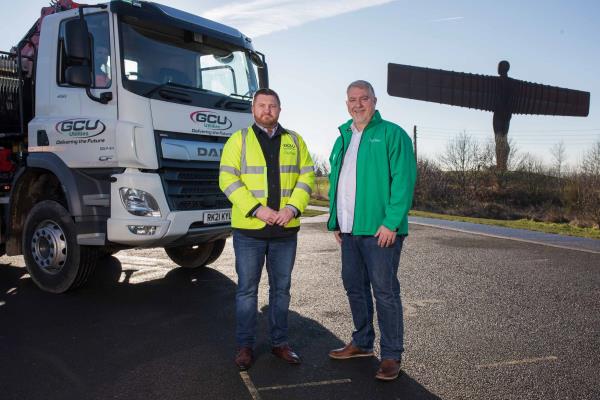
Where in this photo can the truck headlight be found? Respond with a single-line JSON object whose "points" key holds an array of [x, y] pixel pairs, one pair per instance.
{"points": [[146, 230], [139, 203]]}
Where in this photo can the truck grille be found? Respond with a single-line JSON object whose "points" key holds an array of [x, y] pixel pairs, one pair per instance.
{"points": [[196, 189]]}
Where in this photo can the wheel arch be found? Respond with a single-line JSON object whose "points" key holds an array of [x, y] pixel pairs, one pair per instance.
{"points": [[46, 177]]}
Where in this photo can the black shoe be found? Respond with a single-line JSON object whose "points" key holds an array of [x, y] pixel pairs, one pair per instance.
{"points": [[244, 358]]}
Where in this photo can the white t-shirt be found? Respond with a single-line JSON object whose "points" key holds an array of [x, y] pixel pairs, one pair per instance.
{"points": [[346, 189]]}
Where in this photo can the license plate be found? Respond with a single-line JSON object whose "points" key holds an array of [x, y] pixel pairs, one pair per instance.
{"points": [[217, 217]]}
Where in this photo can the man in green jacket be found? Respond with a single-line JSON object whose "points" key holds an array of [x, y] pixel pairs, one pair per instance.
{"points": [[373, 173]]}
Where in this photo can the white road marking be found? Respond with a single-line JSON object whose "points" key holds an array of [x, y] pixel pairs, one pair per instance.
{"points": [[518, 362], [411, 306], [250, 385], [307, 384], [136, 268], [505, 237], [253, 390], [2, 303], [131, 274], [143, 260]]}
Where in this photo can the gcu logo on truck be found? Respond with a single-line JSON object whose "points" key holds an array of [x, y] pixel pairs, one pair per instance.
{"points": [[83, 128], [211, 120]]}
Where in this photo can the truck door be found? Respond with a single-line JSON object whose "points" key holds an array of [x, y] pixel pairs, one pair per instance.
{"points": [[82, 130]]}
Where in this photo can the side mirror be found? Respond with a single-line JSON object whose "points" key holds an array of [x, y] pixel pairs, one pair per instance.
{"points": [[263, 76], [257, 58], [263, 71], [77, 42], [79, 76]]}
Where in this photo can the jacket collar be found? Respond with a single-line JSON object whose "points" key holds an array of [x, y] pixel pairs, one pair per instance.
{"points": [[278, 131], [346, 127]]}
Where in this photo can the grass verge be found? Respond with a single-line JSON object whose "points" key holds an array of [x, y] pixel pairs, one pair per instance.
{"points": [[312, 213], [546, 227], [320, 203]]}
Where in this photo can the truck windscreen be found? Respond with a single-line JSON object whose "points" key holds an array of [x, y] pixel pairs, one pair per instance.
{"points": [[152, 57]]}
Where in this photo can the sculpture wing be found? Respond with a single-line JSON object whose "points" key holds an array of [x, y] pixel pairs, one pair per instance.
{"points": [[446, 87], [535, 98], [485, 92]]}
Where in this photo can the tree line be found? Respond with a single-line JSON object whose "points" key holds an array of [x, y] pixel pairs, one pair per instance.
{"points": [[463, 180]]}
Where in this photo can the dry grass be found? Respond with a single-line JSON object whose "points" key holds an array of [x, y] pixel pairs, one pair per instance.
{"points": [[312, 213], [546, 227]]}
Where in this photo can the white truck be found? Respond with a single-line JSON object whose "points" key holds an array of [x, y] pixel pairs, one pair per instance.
{"points": [[111, 133]]}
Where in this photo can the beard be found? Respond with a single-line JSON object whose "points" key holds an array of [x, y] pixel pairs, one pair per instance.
{"points": [[268, 121]]}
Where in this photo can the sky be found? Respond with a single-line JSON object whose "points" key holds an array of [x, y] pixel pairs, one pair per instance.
{"points": [[315, 48]]}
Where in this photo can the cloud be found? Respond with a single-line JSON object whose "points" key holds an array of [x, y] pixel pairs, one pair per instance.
{"points": [[447, 19], [262, 17]]}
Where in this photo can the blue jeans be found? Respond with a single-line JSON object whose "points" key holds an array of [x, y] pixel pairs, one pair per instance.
{"points": [[250, 255], [365, 265]]}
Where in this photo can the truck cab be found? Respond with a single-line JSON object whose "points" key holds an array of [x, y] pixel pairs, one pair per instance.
{"points": [[131, 105]]}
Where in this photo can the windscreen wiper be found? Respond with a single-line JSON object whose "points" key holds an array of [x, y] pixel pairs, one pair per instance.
{"points": [[241, 96], [171, 85]]}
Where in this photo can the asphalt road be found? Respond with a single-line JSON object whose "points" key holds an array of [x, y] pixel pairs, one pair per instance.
{"points": [[485, 318]]}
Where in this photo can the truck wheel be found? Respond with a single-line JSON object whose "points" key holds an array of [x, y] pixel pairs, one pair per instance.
{"points": [[218, 247], [53, 258], [108, 251], [190, 256]]}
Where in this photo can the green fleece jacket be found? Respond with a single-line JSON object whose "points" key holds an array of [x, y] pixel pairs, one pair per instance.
{"points": [[385, 177]]}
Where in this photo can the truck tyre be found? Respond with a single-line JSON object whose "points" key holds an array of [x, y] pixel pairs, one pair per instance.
{"points": [[108, 251], [218, 247], [53, 258], [190, 256]]}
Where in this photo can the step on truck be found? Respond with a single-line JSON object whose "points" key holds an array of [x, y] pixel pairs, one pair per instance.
{"points": [[113, 118]]}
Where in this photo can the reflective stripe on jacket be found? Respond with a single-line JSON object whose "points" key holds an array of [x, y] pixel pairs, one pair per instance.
{"points": [[243, 176]]}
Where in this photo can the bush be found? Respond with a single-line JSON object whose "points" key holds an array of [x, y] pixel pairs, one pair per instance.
{"points": [[529, 191]]}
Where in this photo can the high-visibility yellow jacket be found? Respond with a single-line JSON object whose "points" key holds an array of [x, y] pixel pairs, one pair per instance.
{"points": [[243, 176]]}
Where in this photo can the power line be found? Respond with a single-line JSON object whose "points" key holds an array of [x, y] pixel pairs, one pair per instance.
{"points": [[576, 136], [549, 141], [565, 135], [593, 136], [557, 138], [514, 131]]}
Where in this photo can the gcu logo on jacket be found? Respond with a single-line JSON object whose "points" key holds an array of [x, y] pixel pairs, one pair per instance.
{"points": [[83, 128], [211, 120]]}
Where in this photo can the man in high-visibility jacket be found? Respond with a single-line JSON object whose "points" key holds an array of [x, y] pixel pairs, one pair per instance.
{"points": [[267, 174]]}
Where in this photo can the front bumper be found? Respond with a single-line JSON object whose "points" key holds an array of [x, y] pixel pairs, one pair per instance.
{"points": [[172, 228]]}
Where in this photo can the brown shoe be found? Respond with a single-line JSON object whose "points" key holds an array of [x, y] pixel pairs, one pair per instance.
{"points": [[388, 370], [286, 353], [244, 358], [349, 351]]}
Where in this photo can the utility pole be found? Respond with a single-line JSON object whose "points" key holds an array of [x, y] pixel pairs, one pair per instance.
{"points": [[415, 140]]}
